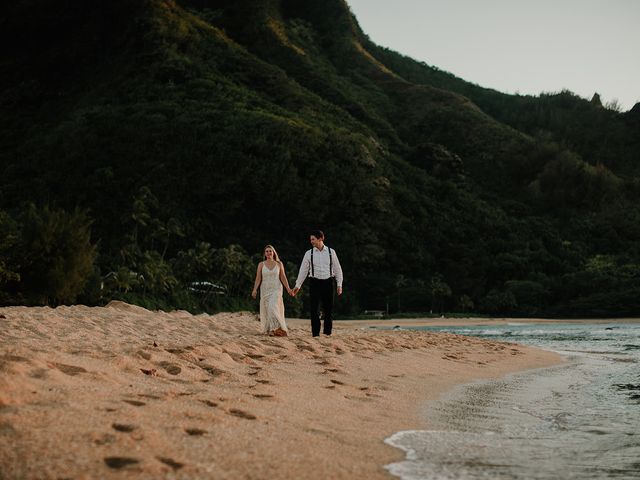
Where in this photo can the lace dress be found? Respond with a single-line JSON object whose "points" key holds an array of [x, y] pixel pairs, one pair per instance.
{"points": [[271, 304]]}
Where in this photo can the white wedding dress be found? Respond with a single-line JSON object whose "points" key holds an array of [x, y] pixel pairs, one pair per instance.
{"points": [[271, 304]]}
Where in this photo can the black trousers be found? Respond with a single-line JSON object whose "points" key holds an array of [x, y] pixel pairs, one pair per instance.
{"points": [[321, 293]]}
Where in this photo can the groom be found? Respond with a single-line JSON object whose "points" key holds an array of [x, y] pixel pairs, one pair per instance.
{"points": [[321, 265]]}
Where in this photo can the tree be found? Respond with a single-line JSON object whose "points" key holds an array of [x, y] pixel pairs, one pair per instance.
{"points": [[234, 269], [531, 297], [194, 264], [56, 254], [465, 304], [499, 302], [440, 291], [9, 270], [614, 105]]}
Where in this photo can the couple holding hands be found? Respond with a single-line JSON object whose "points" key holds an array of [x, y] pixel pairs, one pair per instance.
{"points": [[320, 265]]}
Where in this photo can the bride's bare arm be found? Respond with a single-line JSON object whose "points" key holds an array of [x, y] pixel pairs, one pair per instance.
{"points": [[256, 284], [284, 279]]}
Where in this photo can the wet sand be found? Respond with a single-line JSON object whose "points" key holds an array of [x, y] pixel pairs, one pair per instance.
{"points": [[121, 391]]}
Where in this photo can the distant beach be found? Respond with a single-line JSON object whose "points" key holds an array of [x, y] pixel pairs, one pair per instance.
{"points": [[461, 321], [97, 392]]}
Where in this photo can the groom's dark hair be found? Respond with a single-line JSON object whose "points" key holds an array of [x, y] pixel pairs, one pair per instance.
{"points": [[318, 234]]}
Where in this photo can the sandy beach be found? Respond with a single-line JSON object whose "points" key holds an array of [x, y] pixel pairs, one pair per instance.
{"points": [[123, 392]]}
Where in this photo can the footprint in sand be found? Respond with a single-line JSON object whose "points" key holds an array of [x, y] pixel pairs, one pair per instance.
{"points": [[135, 403], [209, 403], [71, 370], [242, 414], [170, 368], [262, 396], [337, 382], [122, 427], [306, 348], [105, 439], [147, 395], [143, 354], [13, 358], [362, 399], [6, 428], [38, 373], [195, 432], [171, 462], [211, 370], [332, 370], [120, 462], [175, 351], [236, 357], [265, 382]]}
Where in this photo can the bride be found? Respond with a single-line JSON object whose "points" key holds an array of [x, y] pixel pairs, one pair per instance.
{"points": [[270, 277]]}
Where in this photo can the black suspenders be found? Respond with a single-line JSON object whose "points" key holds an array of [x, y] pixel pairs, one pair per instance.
{"points": [[330, 264]]}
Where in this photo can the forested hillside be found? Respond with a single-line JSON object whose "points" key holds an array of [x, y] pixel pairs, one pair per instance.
{"points": [[149, 149]]}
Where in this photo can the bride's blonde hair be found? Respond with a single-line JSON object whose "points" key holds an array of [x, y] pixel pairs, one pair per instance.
{"points": [[275, 254]]}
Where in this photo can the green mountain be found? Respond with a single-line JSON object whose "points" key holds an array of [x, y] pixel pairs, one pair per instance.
{"points": [[182, 136]]}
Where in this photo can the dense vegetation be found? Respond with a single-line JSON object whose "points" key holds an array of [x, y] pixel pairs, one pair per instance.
{"points": [[149, 149]]}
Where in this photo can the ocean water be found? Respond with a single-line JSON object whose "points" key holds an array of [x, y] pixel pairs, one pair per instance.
{"points": [[578, 420]]}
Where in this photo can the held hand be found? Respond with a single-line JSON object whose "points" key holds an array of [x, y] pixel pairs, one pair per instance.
{"points": [[295, 291], [339, 290], [254, 294]]}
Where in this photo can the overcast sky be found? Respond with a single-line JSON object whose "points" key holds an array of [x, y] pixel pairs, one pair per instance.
{"points": [[525, 46]]}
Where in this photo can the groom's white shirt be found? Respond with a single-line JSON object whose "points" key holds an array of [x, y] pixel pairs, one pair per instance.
{"points": [[320, 266]]}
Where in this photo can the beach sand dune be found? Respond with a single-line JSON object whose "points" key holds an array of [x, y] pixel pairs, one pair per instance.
{"points": [[123, 392]]}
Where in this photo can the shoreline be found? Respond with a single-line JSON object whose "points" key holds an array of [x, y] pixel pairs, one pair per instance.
{"points": [[470, 321], [219, 400]]}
